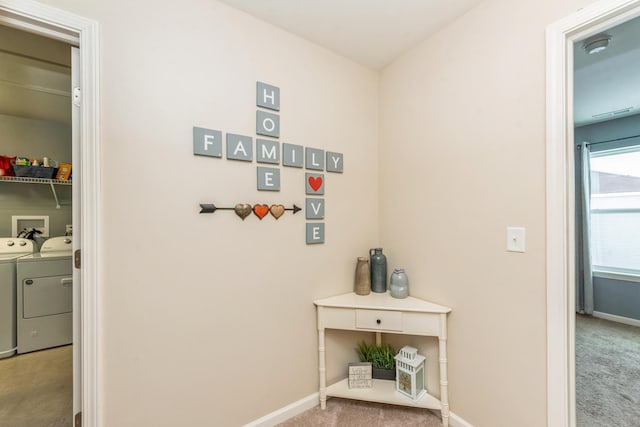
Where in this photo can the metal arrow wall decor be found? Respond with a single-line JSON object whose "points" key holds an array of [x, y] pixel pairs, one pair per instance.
{"points": [[243, 210]]}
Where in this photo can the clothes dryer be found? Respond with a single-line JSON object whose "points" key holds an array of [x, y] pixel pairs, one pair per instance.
{"points": [[45, 296], [10, 250]]}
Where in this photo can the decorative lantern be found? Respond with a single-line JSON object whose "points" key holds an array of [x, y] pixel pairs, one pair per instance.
{"points": [[410, 373]]}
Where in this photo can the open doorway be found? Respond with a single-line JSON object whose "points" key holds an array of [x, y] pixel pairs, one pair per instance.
{"points": [[561, 209], [607, 200], [36, 370], [60, 25]]}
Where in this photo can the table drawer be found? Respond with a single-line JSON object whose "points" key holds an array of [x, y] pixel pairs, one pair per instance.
{"points": [[379, 320], [336, 318]]}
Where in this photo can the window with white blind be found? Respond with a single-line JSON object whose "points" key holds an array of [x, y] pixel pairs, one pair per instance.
{"points": [[615, 210]]}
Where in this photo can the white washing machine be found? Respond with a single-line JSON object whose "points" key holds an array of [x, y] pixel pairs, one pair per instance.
{"points": [[10, 250], [45, 296]]}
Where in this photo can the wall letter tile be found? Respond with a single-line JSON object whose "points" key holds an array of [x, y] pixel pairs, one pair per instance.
{"points": [[239, 147], [268, 179], [314, 208], [315, 232], [267, 151], [292, 155], [207, 142], [267, 96], [267, 124], [314, 159], [334, 162]]}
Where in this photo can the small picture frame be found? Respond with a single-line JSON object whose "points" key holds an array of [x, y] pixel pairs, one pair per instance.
{"points": [[360, 375]]}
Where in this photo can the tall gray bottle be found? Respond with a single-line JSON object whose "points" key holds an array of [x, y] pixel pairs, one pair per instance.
{"points": [[378, 263]]}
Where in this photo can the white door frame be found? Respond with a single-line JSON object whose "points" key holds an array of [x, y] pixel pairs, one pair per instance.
{"points": [[560, 198], [58, 24]]}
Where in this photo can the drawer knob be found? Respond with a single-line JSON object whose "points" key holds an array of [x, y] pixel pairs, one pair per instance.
{"points": [[378, 321]]}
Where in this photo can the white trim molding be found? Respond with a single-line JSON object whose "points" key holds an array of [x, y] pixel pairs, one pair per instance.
{"points": [[457, 421], [560, 37], [283, 414], [613, 318], [76, 30]]}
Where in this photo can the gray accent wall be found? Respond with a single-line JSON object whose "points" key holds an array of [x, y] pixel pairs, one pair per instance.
{"points": [[611, 296], [34, 138], [617, 297]]}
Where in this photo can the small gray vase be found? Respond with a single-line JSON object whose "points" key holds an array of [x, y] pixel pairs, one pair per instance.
{"points": [[399, 283]]}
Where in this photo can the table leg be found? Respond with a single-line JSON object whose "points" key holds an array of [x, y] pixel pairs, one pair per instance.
{"points": [[444, 384], [322, 369]]}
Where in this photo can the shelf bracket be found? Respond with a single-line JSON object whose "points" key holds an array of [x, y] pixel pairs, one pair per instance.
{"points": [[55, 195]]}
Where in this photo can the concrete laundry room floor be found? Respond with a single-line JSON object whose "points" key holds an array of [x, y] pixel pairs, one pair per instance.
{"points": [[36, 389]]}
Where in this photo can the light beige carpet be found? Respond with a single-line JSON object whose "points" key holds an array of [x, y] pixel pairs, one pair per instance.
{"points": [[607, 373], [36, 389], [354, 413]]}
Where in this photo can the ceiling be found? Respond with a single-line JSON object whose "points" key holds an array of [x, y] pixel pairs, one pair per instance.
{"points": [[607, 84], [376, 32], [371, 32]]}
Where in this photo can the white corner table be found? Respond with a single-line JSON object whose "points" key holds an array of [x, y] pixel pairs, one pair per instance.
{"points": [[380, 313]]}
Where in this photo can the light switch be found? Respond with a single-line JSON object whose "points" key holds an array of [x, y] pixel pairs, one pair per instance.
{"points": [[515, 239]]}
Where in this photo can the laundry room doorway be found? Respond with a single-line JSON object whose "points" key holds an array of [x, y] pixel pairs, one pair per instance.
{"points": [[80, 32]]}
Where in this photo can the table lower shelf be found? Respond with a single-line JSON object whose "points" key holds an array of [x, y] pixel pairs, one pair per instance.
{"points": [[383, 391]]}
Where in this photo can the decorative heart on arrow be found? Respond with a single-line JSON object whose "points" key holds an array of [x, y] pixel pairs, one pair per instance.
{"points": [[242, 210], [276, 211], [315, 182], [260, 210]]}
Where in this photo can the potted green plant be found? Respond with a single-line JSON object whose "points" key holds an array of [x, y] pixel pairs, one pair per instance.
{"points": [[382, 359]]}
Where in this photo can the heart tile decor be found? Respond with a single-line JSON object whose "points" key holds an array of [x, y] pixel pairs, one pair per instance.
{"points": [[242, 210], [276, 211], [315, 182], [260, 210]]}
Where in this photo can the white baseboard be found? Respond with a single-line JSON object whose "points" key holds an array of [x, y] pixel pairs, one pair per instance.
{"points": [[614, 318], [283, 414], [456, 421]]}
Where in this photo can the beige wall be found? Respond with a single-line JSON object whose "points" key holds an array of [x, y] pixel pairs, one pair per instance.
{"points": [[199, 334], [462, 149], [208, 320]]}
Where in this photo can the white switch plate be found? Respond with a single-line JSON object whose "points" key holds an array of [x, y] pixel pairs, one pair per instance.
{"points": [[515, 239]]}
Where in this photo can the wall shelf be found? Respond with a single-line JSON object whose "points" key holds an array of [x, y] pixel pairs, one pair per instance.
{"points": [[26, 180]]}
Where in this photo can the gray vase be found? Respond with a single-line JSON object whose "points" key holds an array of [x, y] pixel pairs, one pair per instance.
{"points": [[378, 270], [399, 284]]}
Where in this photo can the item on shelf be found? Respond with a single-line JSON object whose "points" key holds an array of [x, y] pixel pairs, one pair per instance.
{"points": [[23, 161], [378, 270], [34, 171], [64, 171], [410, 373], [362, 285], [6, 163], [381, 357], [399, 283], [360, 375], [45, 162]]}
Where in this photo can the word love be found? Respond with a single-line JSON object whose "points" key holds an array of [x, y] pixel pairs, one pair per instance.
{"points": [[243, 210]]}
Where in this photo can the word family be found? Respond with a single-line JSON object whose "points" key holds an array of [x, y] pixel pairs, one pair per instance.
{"points": [[271, 153]]}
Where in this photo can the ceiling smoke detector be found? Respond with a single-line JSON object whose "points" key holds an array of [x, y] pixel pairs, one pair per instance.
{"points": [[596, 43]]}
